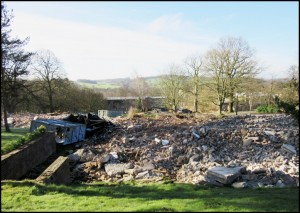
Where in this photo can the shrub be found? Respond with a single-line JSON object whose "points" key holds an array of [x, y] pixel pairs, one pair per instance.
{"points": [[289, 108], [267, 109], [41, 129], [131, 112], [221, 116], [30, 136]]}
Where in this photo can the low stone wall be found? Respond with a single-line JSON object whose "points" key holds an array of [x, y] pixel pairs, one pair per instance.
{"points": [[58, 172], [17, 163]]}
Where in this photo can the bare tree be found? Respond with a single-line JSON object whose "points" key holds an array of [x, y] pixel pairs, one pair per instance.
{"points": [[239, 63], [290, 87], [171, 86], [252, 87], [139, 88], [193, 67], [48, 69], [124, 89], [294, 76], [215, 65]]}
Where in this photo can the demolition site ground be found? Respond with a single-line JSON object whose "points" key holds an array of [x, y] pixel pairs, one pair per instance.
{"points": [[243, 151]]}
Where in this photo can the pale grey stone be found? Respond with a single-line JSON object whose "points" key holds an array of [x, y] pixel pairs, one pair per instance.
{"points": [[224, 175]]}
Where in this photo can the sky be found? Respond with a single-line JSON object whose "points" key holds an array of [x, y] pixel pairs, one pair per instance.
{"points": [[115, 39]]}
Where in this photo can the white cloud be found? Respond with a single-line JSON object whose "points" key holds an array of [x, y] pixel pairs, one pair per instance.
{"points": [[98, 52], [169, 23], [176, 27]]}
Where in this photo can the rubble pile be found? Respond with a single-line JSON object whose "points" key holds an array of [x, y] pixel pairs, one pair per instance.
{"points": [[241, 151], [22, 120]]}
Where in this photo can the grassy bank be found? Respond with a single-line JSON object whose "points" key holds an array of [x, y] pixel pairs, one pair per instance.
{"points": [[101, 197], [9, 140]]}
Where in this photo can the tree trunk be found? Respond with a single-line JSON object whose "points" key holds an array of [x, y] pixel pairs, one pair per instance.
{"points": [[174, 105], [142, 103], [236, 105], [196, 99], [250, 103], [195, 104], [7, 129], [230, 104], [220, 108], [51, 103]]}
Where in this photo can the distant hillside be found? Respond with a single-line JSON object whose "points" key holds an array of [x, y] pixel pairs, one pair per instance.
{"points": [[115, 80], [114, 83], [87, 81], [152, 81]]}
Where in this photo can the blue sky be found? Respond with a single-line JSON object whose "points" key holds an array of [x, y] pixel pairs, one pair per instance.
{"points": [[100, 40]]}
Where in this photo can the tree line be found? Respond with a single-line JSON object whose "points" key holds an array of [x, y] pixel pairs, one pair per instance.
{"points": [[221, 75]]}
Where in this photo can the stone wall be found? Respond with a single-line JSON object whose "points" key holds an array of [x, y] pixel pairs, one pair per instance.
{"points": [[17, 163], [121, 104], [58, 172], [124, 103]]}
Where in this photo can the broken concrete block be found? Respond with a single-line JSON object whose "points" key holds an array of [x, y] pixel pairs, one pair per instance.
{"points": [[118, 168], [157, 140], [239, 185], [58, 172], [205, 148], [254, 138], [196, 135], [270, 133], [288, 148], [247, 141], [142, 175], [114, 155], [147, 166], [225, 175], [181, 160], [164, 142]]}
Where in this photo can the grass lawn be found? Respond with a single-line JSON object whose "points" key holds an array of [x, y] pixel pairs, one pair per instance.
{"points": [[104, 197], [9, 139]]}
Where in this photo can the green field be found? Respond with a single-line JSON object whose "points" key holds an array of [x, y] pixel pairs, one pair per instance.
{"points": [[153, 81], [103, 197], [109, 84], [99, 85], [9, 139]]}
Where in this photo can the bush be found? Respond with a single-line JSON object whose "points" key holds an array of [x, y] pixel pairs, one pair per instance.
{"points": [[41, 129], [289, 108], [30, 136], [131, 112], [221, 116], [267, 109]]}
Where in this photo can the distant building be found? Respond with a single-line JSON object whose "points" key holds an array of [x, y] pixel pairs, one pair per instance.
{"points": [[124, 103]]}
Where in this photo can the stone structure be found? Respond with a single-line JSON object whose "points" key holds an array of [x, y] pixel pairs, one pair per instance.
{"points": [[17, 163], [124, 103], [58, 172]]}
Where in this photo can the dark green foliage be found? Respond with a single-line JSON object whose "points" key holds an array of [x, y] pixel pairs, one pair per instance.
{"points": [[30, 136], [25, 139], [221, 116], [139, 104], [268, 108], [14, 64], [289, 108]]}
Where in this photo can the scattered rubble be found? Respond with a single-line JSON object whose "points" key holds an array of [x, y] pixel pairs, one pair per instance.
{"points": [[239, 151], [23, 120]]}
